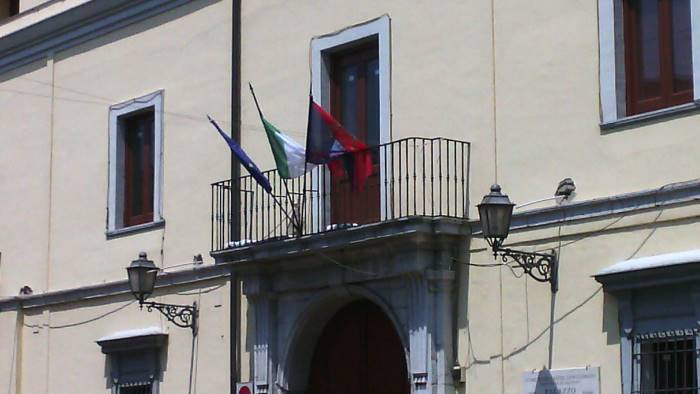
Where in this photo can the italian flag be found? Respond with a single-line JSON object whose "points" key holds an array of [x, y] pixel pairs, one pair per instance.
{"points": [[290, 157]]}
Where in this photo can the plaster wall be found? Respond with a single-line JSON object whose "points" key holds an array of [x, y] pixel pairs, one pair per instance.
{"points": [[59, 349], [29, 4], [9, 341], [30, 13], [25, 154], [534, 115], [514, 324], [54, 153]]}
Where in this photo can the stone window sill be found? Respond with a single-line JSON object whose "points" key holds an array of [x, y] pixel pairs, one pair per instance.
{"points": [[140, 228], [651, 117]]}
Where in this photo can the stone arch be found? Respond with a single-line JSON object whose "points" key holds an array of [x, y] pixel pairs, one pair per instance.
{"points": [[295, 361]]}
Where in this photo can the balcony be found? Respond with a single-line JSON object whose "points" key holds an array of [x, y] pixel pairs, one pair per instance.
{"points": [[412, 177]]}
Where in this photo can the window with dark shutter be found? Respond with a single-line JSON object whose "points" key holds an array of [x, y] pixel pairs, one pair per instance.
{"points": [[138, 168], [135, 362], [354, 103], [658, 61]]}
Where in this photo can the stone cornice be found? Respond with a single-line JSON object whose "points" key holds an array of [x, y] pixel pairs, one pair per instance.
{"points": [[165, 280], [75, 26]]}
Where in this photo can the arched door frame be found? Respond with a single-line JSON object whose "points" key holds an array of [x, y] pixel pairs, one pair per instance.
{"points": [[294, 369]]}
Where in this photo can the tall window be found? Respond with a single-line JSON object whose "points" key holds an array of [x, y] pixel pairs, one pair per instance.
{"points": [[350, 76], [355, 92], [658, 63], [135, 163], [354, 77], [138, 167]]}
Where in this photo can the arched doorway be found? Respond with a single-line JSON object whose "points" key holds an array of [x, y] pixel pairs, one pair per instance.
{"points": [[359, 352]]}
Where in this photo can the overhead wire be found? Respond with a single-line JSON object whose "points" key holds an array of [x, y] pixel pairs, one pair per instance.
{"points": [[92, 99], [90, 320]]}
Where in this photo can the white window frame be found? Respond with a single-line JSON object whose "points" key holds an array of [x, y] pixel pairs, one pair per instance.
{"points": [[321, 48], [116, 166], [611, 55]]}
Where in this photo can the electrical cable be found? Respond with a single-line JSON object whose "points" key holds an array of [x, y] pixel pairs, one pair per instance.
{"points": [[105, 102], [84, 321]]}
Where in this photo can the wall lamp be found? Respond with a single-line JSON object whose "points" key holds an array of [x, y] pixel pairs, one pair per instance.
{"points": [[142, 279], [495, 213]]}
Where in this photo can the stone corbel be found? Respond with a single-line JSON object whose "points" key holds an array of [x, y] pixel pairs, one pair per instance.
{"points": [[624, 305], [256, 286], [695, 295]]}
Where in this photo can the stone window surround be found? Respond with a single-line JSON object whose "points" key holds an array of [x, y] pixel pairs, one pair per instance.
{"points": [[325, 45], [145, 346], [611, 63], [636, 285], [114, 201]]}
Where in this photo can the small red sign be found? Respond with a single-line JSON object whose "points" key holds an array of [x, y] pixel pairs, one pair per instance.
{"points": [[244, 390]]}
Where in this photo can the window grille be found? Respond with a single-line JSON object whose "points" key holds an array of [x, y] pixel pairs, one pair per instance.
{"points": [[665, 363], [136, 389]]}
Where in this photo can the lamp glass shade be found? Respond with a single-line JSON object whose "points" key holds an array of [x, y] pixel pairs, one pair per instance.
{"points": [[495, 213], [142, 277]]}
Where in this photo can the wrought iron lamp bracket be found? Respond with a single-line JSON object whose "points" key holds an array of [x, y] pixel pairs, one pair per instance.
{"points": [[541, 267], [180, 315]]}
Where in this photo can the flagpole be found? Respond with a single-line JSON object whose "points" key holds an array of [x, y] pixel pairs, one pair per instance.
{"points": [[303, 188], [297, 222], [255, 98], [274, 198]]}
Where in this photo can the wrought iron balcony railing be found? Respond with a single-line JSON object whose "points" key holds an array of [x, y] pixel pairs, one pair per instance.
{"points": [[411, 177]]}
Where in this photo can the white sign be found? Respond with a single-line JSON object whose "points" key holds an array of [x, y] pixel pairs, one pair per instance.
{"points": [[562, 381]]}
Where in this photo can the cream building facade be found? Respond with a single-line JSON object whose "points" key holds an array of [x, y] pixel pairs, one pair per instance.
{"points": [[67, 68], [520, 94]]}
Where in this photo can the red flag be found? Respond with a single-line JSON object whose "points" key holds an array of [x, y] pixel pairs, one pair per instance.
{"points": [[321, 137]]}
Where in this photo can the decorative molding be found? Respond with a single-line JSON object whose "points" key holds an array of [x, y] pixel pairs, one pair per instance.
{"points": [[695, 45], [664, 196], [115, 194], [414, 231], [152, 341], [695, 296], [165, 280], [261, 388], [624, 305], [140, 228], [327, 44], [76, 26], [651, 117], [658, 276], [420, 380], [606, 56]]}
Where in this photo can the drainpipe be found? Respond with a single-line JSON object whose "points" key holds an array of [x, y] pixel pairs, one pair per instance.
{"points": [[17, 349], [235, 335]]}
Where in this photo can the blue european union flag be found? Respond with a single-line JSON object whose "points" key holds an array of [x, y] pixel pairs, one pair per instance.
{"points": [[244, 159]]}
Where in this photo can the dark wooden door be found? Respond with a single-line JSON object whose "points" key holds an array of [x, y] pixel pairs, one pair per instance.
{"points": [[355, 104], [359, 352]]}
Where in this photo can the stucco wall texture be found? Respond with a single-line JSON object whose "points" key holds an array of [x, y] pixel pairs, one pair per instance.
{"points": [[53, 183], [519, 80], [53, 159]]}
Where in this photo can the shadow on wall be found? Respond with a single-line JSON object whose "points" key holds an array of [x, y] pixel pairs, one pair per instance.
{"points": [[137, 28], [20, 71], [475, 361]]}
